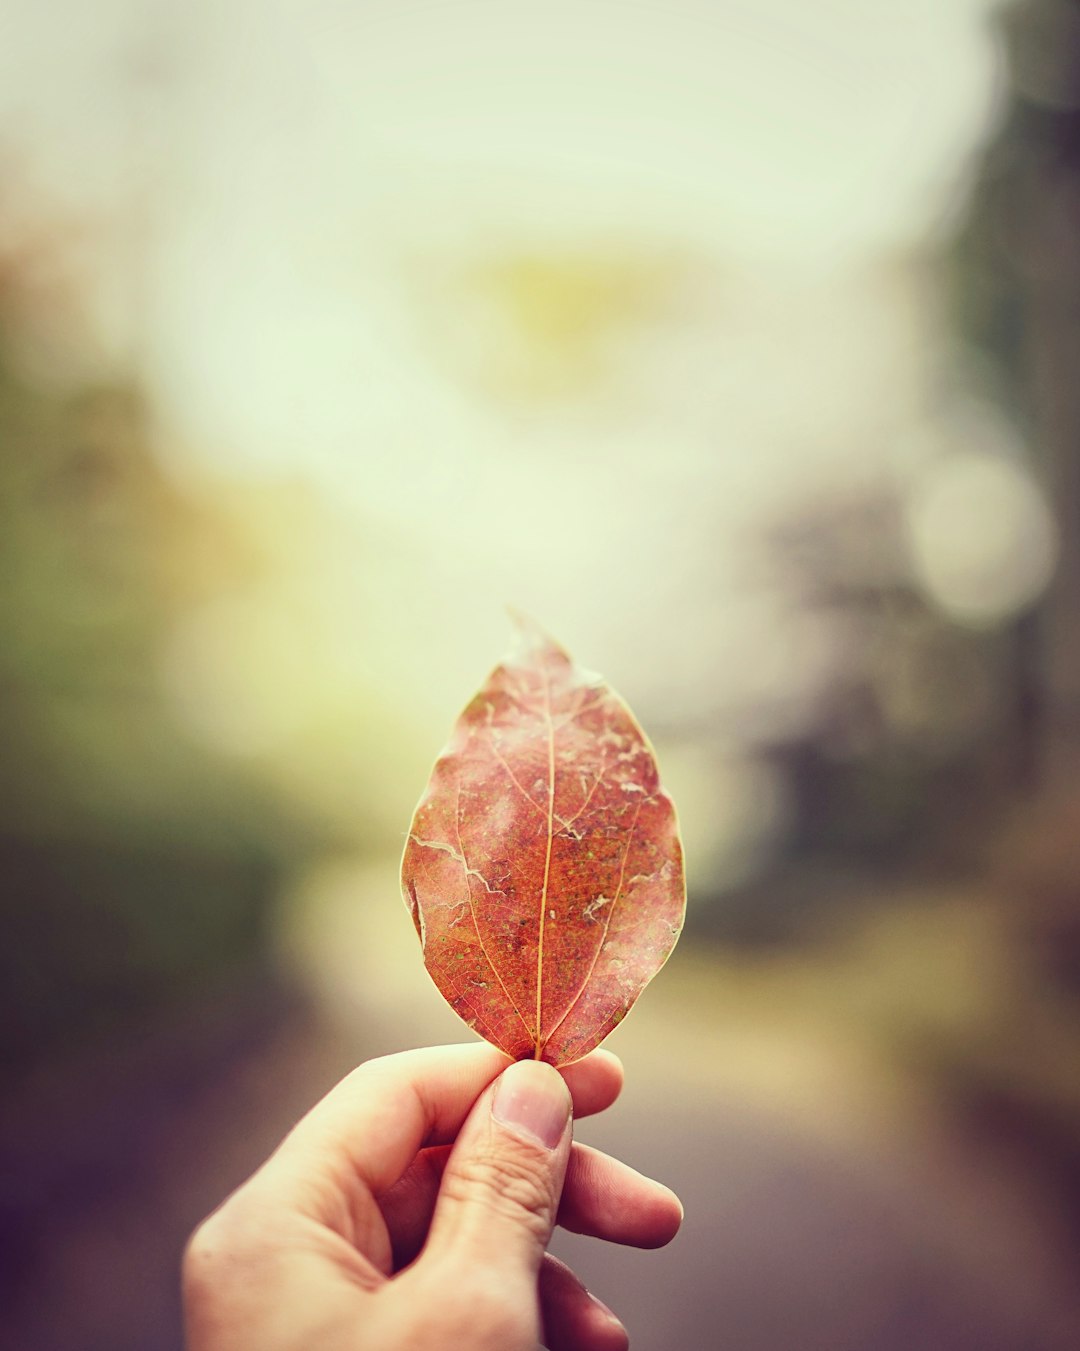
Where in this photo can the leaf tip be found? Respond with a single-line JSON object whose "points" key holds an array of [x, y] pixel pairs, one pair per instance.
{"points": [[533, 643]]}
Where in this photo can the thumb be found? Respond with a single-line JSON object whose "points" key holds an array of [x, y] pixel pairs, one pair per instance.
{"points": [[501, 1186]]}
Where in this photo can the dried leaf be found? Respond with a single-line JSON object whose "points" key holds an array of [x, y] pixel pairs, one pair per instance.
{"points": [[544, 869]]}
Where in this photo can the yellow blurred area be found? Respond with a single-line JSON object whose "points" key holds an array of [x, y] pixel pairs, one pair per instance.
{"points": [[736, 343], [544, 323]]}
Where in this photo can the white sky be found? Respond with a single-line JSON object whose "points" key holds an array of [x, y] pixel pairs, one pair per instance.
{"points": [[281, 162], [297, 199]]}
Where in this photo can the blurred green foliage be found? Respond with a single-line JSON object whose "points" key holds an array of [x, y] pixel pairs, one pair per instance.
{"points": [[135, 868]]}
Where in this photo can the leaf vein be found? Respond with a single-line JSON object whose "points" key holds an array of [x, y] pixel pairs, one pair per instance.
{"points": [[472, 909], [608, 913]]}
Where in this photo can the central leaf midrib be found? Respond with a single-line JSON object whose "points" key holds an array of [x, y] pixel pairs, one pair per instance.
{"points": [[538, 1041]]}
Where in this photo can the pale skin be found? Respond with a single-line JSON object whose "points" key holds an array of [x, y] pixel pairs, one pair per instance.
{"points": [[411, 1209]]}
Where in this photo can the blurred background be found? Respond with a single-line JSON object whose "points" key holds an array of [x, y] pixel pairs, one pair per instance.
{"points": [[738, 343]]}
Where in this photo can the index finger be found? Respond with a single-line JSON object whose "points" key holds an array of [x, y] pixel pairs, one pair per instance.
{"points": [[371, 1126]]}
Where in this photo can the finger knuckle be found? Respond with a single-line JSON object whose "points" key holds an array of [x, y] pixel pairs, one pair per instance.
{"points": [[227, 1240], [509, 1187], [202, 1264]]}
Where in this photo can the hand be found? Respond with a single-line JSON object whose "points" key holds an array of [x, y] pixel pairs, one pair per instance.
{"points": [[410, 1210]]}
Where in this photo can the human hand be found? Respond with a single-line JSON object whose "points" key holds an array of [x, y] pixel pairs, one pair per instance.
{"points": [[410, 1210]]}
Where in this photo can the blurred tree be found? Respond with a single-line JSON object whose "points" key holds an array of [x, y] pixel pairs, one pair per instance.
{"points": [[938, 730], [1017, 300], [135, 868], [1016, 275], [906, 758]]}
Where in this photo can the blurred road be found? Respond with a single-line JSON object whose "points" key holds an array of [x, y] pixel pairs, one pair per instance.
{"points": [[830, 1202]]}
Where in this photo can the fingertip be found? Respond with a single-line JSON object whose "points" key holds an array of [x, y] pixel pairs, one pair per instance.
{"points": [[594, 1082], [532, 1100], [603, 1055], [612, 1067], [574, 1319], [657, 1219], [607, 1199], [668, 1213], [602, 1330]]}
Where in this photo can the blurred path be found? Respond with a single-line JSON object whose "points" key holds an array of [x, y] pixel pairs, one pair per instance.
{"points": [[830, 1204], [788, 1244], [106, 1166]]}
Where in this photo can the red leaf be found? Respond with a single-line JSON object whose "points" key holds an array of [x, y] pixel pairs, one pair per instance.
{"points": [[544, 870]]}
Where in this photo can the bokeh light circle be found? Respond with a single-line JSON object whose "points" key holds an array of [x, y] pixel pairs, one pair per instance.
{"points": [[982, 540]]}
